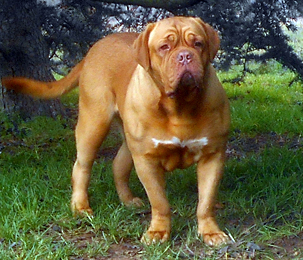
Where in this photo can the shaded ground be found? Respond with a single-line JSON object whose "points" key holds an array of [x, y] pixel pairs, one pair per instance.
{"points": [[241, 147]]}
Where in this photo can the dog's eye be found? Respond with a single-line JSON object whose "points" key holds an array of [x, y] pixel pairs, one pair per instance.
{"points": [[164, 47], [198, 44]]}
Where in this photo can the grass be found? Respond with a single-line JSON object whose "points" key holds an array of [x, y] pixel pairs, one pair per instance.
{"points": [[261, 189], [265, 102]]}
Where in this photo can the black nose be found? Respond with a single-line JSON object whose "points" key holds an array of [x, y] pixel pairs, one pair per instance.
{"points": [[185, 57]]}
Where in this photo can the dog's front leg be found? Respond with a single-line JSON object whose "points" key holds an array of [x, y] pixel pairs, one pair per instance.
{"points": [[152, 176], [209, 171]]}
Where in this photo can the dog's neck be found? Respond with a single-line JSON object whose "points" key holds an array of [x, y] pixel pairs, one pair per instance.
{"points": [[178, 108], [185, 105], [184, 101]]}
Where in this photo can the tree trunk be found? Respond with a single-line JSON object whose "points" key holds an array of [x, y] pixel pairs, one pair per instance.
{"points": [[23, 52]]}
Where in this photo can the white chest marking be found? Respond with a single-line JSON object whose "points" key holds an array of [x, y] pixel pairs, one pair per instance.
{"points": [[191, 144]]}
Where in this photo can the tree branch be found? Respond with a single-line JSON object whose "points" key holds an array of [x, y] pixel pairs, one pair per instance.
{"points": [[168, 4]]}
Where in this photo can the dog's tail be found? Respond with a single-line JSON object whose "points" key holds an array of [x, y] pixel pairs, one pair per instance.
{"points": [[45, 90]]}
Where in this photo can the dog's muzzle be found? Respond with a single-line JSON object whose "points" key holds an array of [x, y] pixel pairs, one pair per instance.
{"points": [[188, 86]]}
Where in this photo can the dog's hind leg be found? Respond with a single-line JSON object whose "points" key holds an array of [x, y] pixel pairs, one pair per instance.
{"points": [[93, 125], [122, 166]]}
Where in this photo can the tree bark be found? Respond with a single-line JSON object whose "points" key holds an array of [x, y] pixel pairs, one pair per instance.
{"points": [[23, 52]]}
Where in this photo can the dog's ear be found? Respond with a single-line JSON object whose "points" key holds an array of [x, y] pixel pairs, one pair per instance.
{"points": [[213, 36], [141, 47]]}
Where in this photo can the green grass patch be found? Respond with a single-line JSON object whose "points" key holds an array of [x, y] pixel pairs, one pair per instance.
{"points": [[265, 102], [261, 189]]}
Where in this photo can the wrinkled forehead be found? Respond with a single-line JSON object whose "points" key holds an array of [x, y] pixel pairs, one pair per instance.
{"points": [[178, 26]]}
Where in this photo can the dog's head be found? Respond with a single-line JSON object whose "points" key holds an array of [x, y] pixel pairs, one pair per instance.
{"points": [[176, 52]]}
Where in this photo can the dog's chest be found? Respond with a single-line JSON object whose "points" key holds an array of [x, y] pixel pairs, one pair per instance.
{"points": [[176, 153], [191, 144]]}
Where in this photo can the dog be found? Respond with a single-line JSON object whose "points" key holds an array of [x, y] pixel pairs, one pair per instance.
{"points": [[174, 113]]}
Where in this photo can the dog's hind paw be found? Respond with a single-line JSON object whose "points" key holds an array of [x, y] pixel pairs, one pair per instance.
{"points": [[135, 202], [81, 211]]}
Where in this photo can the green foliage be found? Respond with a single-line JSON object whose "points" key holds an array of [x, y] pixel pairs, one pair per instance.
{"points": [[261, 189], [265, 102]]}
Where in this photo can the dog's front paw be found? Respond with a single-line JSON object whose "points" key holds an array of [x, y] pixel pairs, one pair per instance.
{"points": [[215, 239], [153, 237], [211, 233]]}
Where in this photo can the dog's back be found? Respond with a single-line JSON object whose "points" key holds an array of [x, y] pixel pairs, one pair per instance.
{"points": [[112, 55]]}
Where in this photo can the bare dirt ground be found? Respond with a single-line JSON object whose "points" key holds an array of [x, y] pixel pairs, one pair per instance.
{"points": [[284, 248]]}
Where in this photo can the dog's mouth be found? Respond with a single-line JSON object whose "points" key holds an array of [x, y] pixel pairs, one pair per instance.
{"points": [[187, 79], [186, 88]]}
